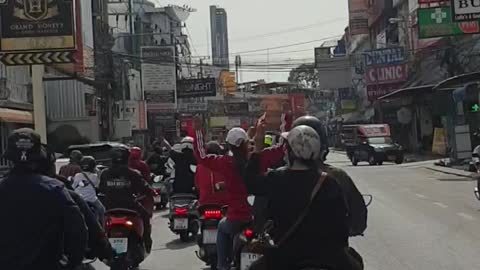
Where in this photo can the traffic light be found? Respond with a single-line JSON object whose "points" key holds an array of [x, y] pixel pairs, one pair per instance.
{"points": [[472, 103]]}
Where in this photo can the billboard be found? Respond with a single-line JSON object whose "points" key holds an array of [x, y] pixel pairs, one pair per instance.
{"points": [[358, 17], [196, 88], [159, 77], [438, 22], [464, 10], [334, 72], [387, 74], [134, 112], [227, 82], [386, 56]]}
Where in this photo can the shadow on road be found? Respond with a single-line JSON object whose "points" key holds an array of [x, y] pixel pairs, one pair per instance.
{"points": [[178, 244]]}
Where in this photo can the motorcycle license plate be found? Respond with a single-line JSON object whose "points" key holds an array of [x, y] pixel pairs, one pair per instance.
{"points": [[209, 236], [180, 223], [120, 245], [247, 259], [157, 199]]}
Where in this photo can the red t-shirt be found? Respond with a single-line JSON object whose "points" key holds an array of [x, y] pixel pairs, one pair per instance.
{"points": [[238, 207], [205, 180]]}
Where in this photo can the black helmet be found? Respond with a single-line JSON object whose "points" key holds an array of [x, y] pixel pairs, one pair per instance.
{"points": [[214, 148], [120, 155], [24, 146], [317, 125], [76, 156], [88, 163]]}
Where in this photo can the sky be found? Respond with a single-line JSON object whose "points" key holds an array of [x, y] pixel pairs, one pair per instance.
{"points": [[261, 24]]}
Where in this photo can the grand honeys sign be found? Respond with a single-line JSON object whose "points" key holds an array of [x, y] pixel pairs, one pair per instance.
{"points": [[438, 22]]}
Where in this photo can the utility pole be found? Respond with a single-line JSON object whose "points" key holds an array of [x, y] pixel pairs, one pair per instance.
{"points": [[125, 66], [39, 101], [132, 31]]}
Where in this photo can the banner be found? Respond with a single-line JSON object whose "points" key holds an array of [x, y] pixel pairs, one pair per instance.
{"points": [[387, 74], [159, 77], [134, 112], [227, 82], [196, 88], [438, 22]]}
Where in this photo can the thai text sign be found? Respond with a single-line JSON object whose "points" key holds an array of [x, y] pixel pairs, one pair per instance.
{"points": [[385, 56], [387, 74], [375, 91]]}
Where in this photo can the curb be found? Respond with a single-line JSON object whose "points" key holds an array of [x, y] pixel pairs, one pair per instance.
{"points": [[469, 175]]}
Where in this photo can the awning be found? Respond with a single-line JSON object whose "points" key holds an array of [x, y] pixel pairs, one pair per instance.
{"points": [[16, 116], [408, 91], [458, 81]]}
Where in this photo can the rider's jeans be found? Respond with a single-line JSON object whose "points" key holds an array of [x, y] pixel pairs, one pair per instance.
{"points": [[227, 229]]}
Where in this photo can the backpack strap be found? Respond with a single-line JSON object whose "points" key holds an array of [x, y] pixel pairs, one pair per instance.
{"points": [[90, 181], [301, 217]]}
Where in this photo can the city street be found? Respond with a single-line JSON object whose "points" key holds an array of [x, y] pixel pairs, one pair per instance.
{"points": [[419, 219]]}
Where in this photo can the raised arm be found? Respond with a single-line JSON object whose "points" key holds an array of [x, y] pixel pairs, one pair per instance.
{"points": [[212, 162]]}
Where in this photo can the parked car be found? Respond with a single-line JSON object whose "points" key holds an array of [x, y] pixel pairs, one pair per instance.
{"points": [[371, 143], [100, 151]]}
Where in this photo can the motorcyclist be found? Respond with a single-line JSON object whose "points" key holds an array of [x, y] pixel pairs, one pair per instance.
{"points": [[210, 184], [86, 184], [353, 198], [157, 160], [135, 162], [232, 166], [322, 237], [98, 244], [183, 157], [120, 185], [42, 227], [476, 162], [73, 167]]}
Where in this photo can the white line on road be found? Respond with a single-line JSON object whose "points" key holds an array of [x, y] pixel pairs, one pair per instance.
{"points": [[466, 216], [421, 196], [440, 204]]}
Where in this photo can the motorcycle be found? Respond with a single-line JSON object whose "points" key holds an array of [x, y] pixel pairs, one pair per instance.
{"points": [[184, 215], [125, 230], [161, 187], [210, 216]]}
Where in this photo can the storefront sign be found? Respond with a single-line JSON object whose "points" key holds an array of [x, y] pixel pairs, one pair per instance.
{"points": [[159, 77], [438, 22], [37, 25], [466, 10], [387, 74], [375, 91], [191, 107], [237, 108], [387, 56], [196, 88]]}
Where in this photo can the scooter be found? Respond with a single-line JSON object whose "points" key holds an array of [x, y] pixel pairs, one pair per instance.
{"points": [[184, 215], [160, 186], [125, 230], [210, 216]]}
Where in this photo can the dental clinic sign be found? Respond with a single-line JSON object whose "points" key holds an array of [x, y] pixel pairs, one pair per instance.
{"points": [[387, 74], [466, 10]]}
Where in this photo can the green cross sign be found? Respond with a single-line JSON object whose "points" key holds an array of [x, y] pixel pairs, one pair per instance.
{"points": [[438, 22], [438, 16], [475, 108]]}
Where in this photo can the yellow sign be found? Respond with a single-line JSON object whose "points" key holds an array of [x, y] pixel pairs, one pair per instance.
{"points": [[439, 145], [227, 82]]}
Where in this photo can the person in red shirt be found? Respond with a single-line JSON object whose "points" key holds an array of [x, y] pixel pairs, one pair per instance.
{"points": [[135, 162], [232, 167], [210, 183]]}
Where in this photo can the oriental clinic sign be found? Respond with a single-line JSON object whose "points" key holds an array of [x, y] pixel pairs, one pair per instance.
{"points": [[387, 74]]}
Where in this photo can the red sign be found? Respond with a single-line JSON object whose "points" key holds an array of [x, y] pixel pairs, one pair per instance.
{"points": [[376, 91], [387, 74]]}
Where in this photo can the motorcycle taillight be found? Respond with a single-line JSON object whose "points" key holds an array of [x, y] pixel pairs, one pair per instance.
{"points": [[181, 211], [249, 234], [213, 214], [118, 221]]}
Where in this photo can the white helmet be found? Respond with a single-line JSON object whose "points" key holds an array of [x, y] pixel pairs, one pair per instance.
{"points": [[186, 143], [236, 136], [304, 143]]}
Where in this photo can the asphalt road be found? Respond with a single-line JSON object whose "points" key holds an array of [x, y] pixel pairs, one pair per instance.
{"points": [[419, 219]]}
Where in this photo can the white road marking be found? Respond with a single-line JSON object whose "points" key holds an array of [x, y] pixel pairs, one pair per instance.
{"points": [[421, 196], [440, 204], [465, 216]]}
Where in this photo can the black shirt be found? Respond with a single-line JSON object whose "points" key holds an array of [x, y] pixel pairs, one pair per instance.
{"points": [[322, 236]]}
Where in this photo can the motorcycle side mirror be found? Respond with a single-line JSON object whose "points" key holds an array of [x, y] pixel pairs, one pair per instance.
{"points": [[368, 199], [193, 168], [158, 179], [251, 200]]}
